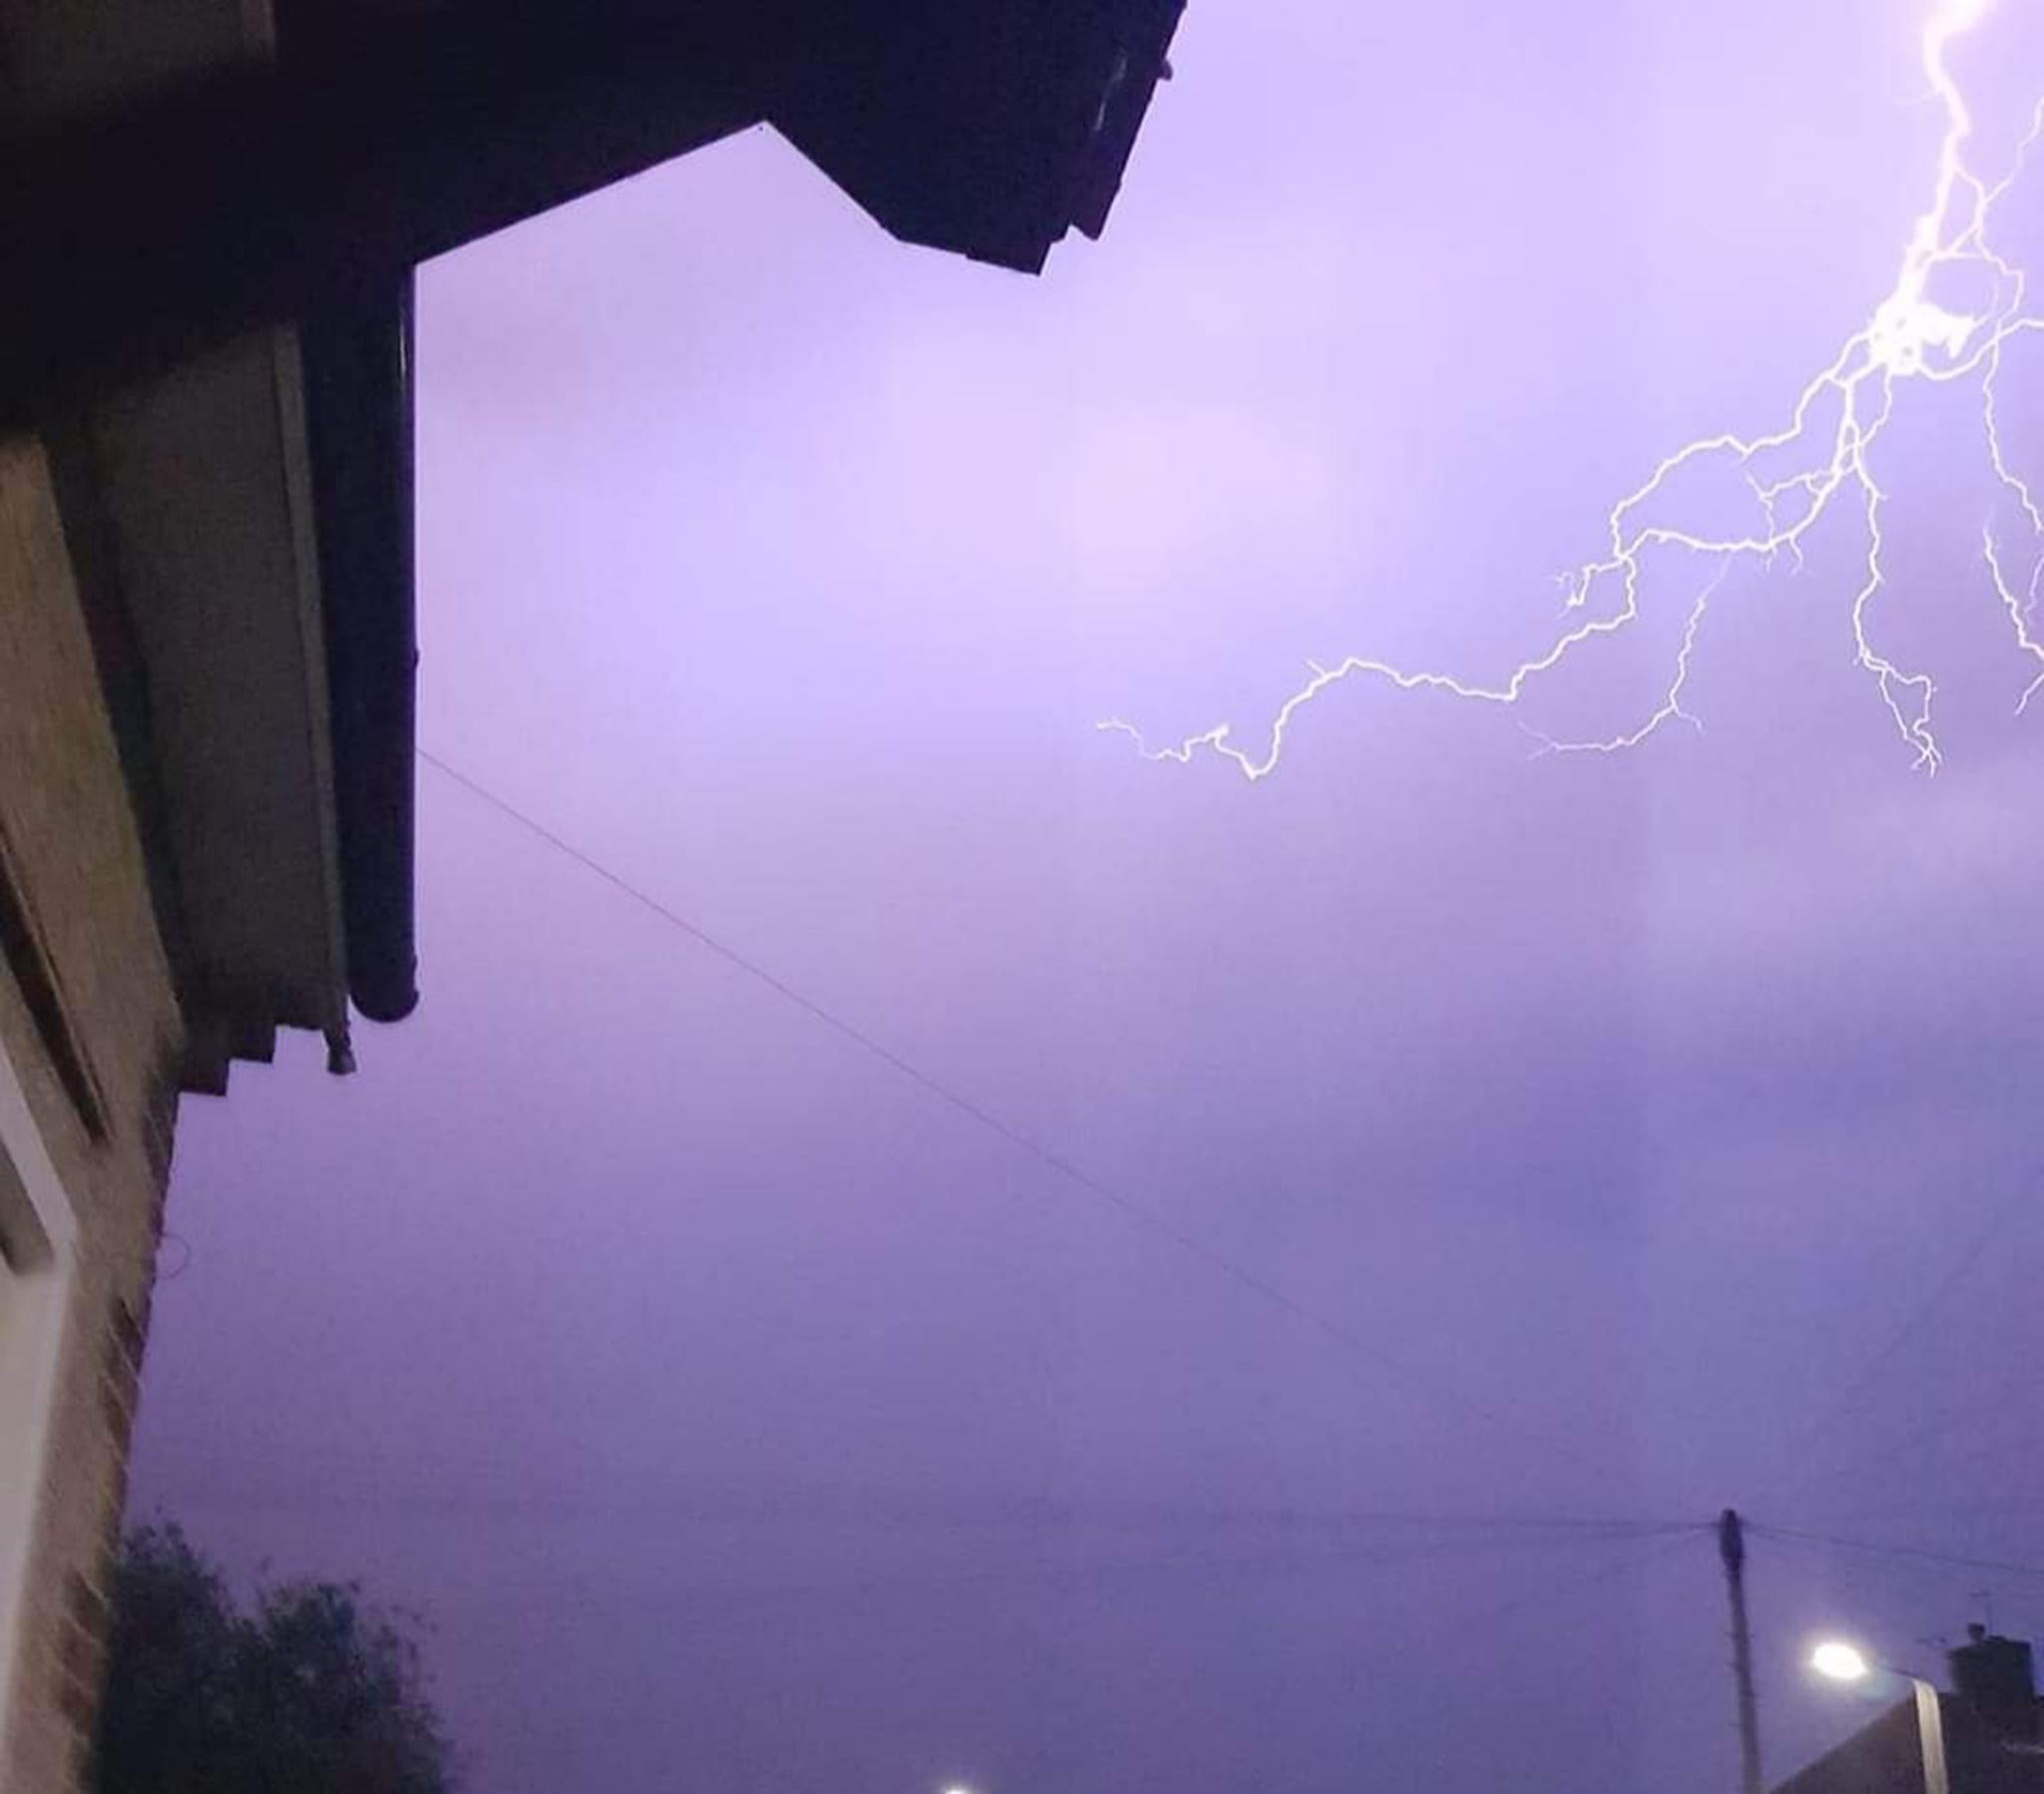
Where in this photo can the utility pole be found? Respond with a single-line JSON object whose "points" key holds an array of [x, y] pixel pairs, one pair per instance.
{"points": [[1732, 1549]]}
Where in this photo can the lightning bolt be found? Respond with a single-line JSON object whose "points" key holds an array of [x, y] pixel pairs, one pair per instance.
{"points": [[1817, 461]]}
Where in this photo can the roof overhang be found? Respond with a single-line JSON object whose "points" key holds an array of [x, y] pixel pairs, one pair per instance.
{"points": [[989, 128], [225, 347], [188, 504]]}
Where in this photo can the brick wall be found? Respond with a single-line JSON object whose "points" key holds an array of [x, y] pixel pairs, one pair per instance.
{"points": [[70, 839]]}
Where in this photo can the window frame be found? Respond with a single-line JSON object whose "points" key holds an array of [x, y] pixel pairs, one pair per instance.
{"points": [[26, 956], [39, 1272]]}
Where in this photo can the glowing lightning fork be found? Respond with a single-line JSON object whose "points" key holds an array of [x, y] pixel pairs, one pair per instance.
{"points": [[1909, 337]]}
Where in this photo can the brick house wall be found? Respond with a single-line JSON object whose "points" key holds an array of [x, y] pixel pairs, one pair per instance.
{"points": [[73, 865]]}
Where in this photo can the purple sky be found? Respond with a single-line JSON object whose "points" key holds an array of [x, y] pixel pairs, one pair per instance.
{"points": [[748, 1419]]}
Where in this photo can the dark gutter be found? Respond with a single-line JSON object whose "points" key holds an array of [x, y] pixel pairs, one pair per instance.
{"points": [[358, 355]]}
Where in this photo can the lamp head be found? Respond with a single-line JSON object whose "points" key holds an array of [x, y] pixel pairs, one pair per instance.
{"points": [[1840, 1662]]}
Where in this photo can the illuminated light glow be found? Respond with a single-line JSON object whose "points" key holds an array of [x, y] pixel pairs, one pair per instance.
{"points": [[1842, 1662], [1837, 421]]}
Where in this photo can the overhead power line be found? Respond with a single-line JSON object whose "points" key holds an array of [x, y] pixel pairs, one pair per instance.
{"points": [[1801, 1461], [473, 1483], [1440, 1386], [1971, 1416], [1546, 1599], [1882, 1549], [1078, 1572]]}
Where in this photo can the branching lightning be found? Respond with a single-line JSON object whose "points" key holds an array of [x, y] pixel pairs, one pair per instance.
{"points": [[1818, 461]]}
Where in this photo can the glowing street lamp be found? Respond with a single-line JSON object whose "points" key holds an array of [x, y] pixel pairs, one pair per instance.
{"points": [[1840, 1662]]}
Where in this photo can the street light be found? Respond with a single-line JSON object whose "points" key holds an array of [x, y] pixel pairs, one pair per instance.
{"points": [[1844, 1662], [1840, 1662]]}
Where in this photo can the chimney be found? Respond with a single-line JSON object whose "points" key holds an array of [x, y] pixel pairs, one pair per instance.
{"points": [[1997, 1680]]}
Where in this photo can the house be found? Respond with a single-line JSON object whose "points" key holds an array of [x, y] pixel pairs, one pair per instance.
{"points": [[1987, 1731], [213, 208]]}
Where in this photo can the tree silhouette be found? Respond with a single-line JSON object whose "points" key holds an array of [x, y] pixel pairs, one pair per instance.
{"points": [[310, 1691]]}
